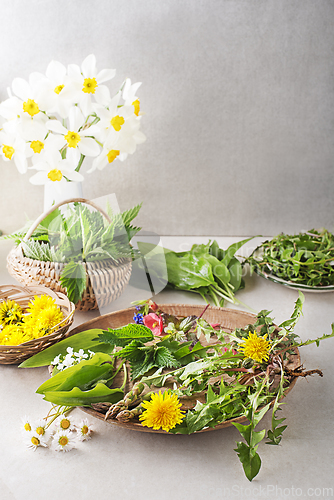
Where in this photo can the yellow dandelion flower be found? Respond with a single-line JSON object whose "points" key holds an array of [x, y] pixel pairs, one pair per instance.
{"points": [[13, 335], [10, 312], [256, 347], [162, 412], [47, 319], [39, 303]]}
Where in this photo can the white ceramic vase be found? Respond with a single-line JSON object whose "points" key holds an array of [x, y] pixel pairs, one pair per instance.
{"points": [[55, 192]]}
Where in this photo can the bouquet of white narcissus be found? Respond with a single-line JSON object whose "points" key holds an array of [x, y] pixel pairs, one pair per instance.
{"points": [[57, 119]]}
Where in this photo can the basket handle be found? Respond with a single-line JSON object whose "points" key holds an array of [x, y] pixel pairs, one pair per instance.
{"points": [[59, 204]]}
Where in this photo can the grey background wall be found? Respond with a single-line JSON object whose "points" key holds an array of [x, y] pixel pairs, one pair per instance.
{"points": [[238, 97]]}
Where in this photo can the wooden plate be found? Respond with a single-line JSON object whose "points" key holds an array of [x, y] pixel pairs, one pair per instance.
{"points": [[229, 319]]}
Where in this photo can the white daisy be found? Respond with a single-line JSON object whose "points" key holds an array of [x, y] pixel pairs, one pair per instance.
{"points": [[84, 430], [63, 441], [64, 423], [26, 424], [34, 440]]}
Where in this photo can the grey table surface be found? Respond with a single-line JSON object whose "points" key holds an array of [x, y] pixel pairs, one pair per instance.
{"points": [[119, 463]]}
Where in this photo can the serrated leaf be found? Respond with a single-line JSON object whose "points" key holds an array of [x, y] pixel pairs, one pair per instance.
{"points": [[124, 335], [73, 278], [164, 358], [130, 214]]}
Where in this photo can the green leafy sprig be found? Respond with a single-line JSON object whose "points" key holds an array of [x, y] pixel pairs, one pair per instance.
{"points": [[305, 258], [80, 237], [208, 270]]}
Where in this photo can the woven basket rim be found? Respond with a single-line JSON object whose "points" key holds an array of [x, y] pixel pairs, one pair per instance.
{"points": [[14, 252]]}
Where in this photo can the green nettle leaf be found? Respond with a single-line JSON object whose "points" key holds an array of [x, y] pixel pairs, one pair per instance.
{"points": [[76, 397], [126, 334], [73, 278], [163, 357]]}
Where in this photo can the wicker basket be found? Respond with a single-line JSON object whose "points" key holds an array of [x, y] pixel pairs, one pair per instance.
{"points": [[106, 279], [10, 355]]}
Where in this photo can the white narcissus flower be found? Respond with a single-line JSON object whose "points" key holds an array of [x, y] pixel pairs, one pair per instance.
{"points": [[52, 168], [75, 138], [113, 117], [14, 148], [57, 91], [129, 95], [64, 440], [88, 81], [29, 93]]}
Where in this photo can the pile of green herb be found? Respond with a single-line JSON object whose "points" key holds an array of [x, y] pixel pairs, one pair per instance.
{"points": [[305, 258], [81, 236], [208, 270], [239, 374]]}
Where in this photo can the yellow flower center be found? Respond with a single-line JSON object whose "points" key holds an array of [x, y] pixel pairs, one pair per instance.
{"points": [[27, 427], [59, 88], [8, 151], [136, 104], [63, 440], [65, 423], [37, 146], [72, 139], [84, 429], [31, 107], [89, 85], [35, 441], [40, 431], [113, 153], [117, 122], [55, 175]]}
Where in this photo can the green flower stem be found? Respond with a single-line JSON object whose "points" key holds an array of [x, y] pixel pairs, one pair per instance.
{"points": [[125, 377], [82, 157], [60, 411]]}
